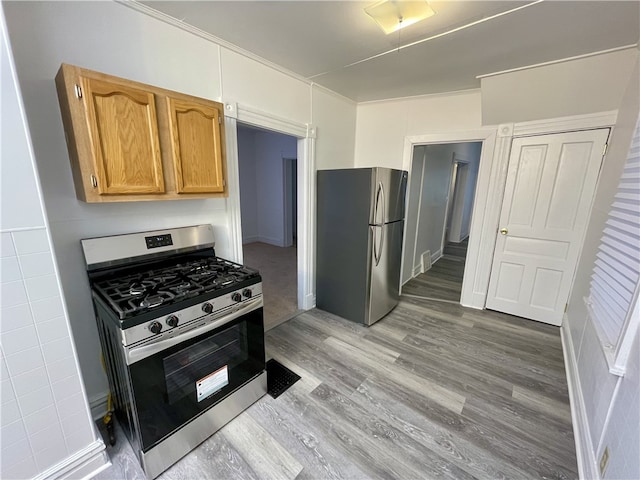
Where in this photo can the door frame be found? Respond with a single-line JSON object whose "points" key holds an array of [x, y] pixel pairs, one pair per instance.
{"points": [[490, 188], [494, 159], [488, 138], [306, 167]]}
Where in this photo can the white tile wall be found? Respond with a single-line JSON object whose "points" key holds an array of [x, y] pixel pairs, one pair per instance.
{"points": [[15, 317], [45, 416], [36, 264], [24, 361], [47, 309], [6, 246], [30, 241]]}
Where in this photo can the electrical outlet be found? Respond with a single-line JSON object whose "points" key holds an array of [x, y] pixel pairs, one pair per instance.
{"points": [[604, 460]]}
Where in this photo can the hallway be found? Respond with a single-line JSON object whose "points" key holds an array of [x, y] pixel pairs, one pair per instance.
{"points": [[443, 281]]}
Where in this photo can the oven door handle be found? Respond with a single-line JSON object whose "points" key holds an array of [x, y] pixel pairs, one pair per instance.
{"points": [[136, 354]]}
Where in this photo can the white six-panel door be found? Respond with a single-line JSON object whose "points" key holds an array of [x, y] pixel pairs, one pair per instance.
{"points": [[551, 181]]}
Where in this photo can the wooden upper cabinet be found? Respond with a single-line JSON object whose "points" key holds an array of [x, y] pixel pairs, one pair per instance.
{"points": [[129, 141], [125, 144], [196, 144]]}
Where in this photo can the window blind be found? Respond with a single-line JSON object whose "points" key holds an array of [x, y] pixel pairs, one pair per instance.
{"points": [[616, 273]]}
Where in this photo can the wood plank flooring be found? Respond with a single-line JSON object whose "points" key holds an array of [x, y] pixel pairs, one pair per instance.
{"points": [[443, 281], [433, 390]]}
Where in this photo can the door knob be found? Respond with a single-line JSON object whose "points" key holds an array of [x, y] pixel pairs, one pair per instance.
{"points": [[504, 231]]}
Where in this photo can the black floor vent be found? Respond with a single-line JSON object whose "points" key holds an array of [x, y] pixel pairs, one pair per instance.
{"points": [[279, 378]]}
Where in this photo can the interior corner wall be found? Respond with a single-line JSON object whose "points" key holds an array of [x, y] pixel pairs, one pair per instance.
{"points": [[586, 85], [607, 411]]}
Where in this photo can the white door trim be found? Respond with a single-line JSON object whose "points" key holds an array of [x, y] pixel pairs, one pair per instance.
{"points": [[305, 133], [494, 160], [488, 138], [490, 190]]}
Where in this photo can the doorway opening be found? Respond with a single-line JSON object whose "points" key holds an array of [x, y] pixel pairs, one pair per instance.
{"points": [[440, 200], [267, 168]]}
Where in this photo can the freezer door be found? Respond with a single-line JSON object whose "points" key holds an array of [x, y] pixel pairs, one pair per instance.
{"points": [[386, 254], [388, 189]]}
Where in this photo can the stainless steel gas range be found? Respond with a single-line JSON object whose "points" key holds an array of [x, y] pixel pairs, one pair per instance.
{"points": [[182, 335]]}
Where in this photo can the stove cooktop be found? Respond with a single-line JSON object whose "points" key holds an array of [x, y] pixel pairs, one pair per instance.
{"points": [[134, 293]]}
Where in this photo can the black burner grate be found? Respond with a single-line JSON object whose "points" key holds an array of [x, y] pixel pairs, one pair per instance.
{"points": [[279, 378]]}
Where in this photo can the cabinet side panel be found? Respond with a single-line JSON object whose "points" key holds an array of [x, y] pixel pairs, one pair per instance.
{"points": [[63, 84]]}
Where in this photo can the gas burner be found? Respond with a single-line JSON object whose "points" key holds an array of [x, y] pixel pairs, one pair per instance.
{"points": [[140, 288], [184, 286], [164, 284]]}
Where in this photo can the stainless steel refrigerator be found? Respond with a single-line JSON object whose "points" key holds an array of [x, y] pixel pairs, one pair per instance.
{"points": [[360, 225]]}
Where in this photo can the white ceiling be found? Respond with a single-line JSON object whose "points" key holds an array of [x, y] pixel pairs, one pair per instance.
{"points": [[323, 40]]}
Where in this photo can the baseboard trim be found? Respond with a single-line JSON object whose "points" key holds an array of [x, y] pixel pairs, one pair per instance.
{"points": [[98, 405], [587, 465], [435, 256], [84, 464], [309, 302]]}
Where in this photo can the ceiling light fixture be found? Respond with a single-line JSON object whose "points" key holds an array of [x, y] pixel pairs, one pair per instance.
{"points": [[392, 15]]}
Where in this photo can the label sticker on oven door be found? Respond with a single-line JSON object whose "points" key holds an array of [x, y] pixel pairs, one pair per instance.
{"points": [[213, 382]]}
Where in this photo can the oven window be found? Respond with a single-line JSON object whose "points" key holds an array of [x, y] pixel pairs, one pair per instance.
{"points": [[176, 385], [205, 359]]}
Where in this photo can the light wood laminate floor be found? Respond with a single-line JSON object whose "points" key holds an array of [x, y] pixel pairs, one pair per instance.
{"points": [[433, 390], [443, 281]]}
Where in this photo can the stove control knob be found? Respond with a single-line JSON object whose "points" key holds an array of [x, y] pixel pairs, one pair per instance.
{"points": [[155, 327], [247, 292], [207, 307], [172, 321], [236, 297]]}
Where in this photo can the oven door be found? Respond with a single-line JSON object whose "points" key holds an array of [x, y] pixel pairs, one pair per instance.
{"points": [[174, 385]]}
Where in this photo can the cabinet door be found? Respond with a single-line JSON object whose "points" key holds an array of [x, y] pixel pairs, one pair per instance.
{"points": [[123, 130], [196, 143]]}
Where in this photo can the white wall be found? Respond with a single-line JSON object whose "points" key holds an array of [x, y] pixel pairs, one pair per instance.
{"points": [[248, 183], [113, 38], [271, 149], [44, 413], [334, 118], [611, 402], [414, 193], [262, 181], [436, 180], [586, 85], [381, 127]]}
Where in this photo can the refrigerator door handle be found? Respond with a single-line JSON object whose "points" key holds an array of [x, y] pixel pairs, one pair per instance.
{"points": [[376, 257], [379, 192], [384, 207]]}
